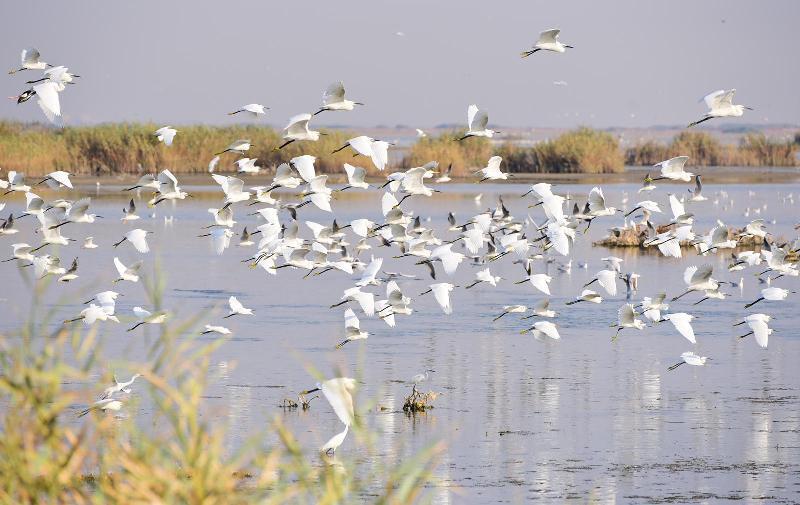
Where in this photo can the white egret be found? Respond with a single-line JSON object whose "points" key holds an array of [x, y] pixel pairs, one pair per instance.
{"points": [[543, 329], [239, 146], [492, 171], [30, 59], [333, 99], [626, 318], [673, 169], [56, 180], [683, 323], [720, 104], [587, 295], [607, 280], [690, 358], [215, 329], [147, 317], [476, 123], [441, 292], [352, 328], [165, 134], [297, 129], [236, 308], [252, 109], [484, 276], [103, 405], [771, 294], [130, 273], [548, 41], [365, 300], [88, 243], [138, 238], [118, 386]]}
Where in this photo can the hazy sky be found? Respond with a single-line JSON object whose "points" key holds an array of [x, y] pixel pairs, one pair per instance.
{"points": [[419, 63]]}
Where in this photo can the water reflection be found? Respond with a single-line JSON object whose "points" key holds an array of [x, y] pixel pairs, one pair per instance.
{"points": [[577, 418]]}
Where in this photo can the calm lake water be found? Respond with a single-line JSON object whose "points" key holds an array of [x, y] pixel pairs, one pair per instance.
{"points": [[581, 418]]}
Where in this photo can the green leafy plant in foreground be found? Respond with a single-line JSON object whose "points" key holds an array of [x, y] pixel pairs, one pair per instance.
{"points": [[179, 456]]}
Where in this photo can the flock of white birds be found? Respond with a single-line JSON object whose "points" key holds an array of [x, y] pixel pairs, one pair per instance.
{"points": [[486, 237]]}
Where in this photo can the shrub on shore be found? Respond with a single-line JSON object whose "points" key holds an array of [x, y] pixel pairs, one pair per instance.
{"points": [[579, 151], [754, 150]]}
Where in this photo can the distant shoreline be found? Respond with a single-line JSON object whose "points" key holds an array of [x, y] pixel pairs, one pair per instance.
{"points": [[711, 175]]}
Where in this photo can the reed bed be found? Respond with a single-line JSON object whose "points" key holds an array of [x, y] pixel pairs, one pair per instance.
{"points": [[583, 150], [128, 148], [176, 455], [754, 150]]}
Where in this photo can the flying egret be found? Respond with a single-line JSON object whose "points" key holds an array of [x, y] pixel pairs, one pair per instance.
{"points": [[626, 318], [720, 104], [118, 386], [587, 295], [297, 129], [758, 328], [548, 41], [543, 329], [542, 309], [683, 323], [130, 273], [441, 292], [216, 329], [690, 358], [233, 188], [56, 180], [476, 123], [352, 328], [484, 276], [59, 75], [771, 294], [333, 99], [698, 279], [673, 169], [365, 300], [652, 307], [492, 171], [92, 314], [355, 177], [511, 309], [107, 301], [239, 146], [146, 181], [253, 109], [165, 134], [30, 59], [607, 280], [147, 317], [138, 238], [236, 308], [103, 405]]}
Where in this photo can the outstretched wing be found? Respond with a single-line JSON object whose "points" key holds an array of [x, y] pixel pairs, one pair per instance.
{"points": [[333, 94]]}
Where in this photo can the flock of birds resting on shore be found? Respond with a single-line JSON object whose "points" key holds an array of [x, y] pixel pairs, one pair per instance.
{"points": [[281, 239]]}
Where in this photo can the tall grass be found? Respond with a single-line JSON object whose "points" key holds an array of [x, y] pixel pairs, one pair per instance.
{"points": [[465, 156], [176, 455], [126, 148], [579, 151], [754, 150]]}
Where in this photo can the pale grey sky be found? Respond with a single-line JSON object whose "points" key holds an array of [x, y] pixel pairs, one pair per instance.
{"points": [[635, 62]]}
